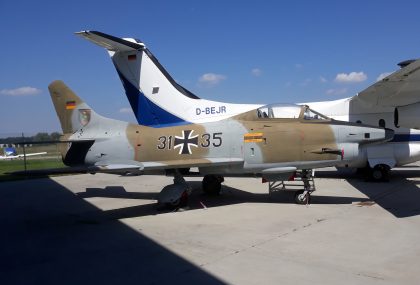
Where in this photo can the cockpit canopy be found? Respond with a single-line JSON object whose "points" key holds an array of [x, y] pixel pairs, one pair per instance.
{"points": [[289, 111]]}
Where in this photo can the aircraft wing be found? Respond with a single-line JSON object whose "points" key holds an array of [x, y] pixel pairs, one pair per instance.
{"points": [[135, 167], [398, 89]]}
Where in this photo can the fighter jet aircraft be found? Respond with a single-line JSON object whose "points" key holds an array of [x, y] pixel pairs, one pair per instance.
{"points": [[273, 141], [158, 101]]}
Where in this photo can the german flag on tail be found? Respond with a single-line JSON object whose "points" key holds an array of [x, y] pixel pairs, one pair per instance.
{"points": [[70, 105]]}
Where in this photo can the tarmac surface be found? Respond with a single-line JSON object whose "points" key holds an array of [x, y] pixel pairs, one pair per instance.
{"points": [[105, 229]]}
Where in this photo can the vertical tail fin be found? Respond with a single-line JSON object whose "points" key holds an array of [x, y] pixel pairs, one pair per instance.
{"points": [[154, 96], [156, 99], [72, 112]]}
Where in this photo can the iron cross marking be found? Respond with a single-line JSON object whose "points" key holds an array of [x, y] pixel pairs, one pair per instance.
{"points": [[185, 142]]}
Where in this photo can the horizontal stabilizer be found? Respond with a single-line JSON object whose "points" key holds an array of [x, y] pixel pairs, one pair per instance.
{"points": [[52, 142], [50, 171], [113, 168], [111, 43]]}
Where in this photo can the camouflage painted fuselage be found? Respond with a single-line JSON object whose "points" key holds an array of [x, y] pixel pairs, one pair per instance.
{"points": [[246, 143]]}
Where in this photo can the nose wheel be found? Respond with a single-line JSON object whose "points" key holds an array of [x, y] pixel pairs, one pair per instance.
{"points": [[302, 197]]}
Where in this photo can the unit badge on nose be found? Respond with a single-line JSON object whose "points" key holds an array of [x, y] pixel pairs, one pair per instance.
{"points": [[185, 142]]}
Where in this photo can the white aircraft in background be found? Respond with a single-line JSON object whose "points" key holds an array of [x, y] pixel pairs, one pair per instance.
{"points": [[394, 103], [11, 153], [158, 101]]}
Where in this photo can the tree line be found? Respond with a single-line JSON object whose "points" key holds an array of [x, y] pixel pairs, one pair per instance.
{"points": [[39, 137]]}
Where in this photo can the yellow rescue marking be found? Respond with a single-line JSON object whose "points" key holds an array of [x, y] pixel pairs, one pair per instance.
{"points": [[253, 137]]}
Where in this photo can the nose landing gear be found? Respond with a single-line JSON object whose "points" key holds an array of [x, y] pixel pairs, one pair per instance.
{"points": [[302, 197]]}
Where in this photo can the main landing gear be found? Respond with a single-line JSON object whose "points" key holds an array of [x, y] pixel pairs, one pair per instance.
{"points": [[175, 196], [302, 197], [212, 184], [379, 173]]}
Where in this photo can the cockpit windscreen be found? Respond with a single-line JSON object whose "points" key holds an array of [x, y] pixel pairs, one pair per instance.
{"points": [[289, 111]]}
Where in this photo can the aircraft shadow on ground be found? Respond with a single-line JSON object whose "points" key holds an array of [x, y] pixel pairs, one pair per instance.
{"points": [[46, 239], [400, 196], [198, 200], [115, 192]]}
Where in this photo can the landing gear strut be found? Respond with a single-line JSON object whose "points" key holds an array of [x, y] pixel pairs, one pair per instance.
{"points": [[303, 197], [212, 184]]}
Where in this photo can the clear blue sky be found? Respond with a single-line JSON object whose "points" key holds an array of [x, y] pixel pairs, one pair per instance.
{"points": [[262, 51]]}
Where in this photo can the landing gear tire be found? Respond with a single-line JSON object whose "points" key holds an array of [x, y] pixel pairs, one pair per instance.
{"points": [[212, 184], [301, 198], [380, 173]]}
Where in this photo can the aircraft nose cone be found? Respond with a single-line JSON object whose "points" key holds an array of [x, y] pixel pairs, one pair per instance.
{"points": [[389, 134]]}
